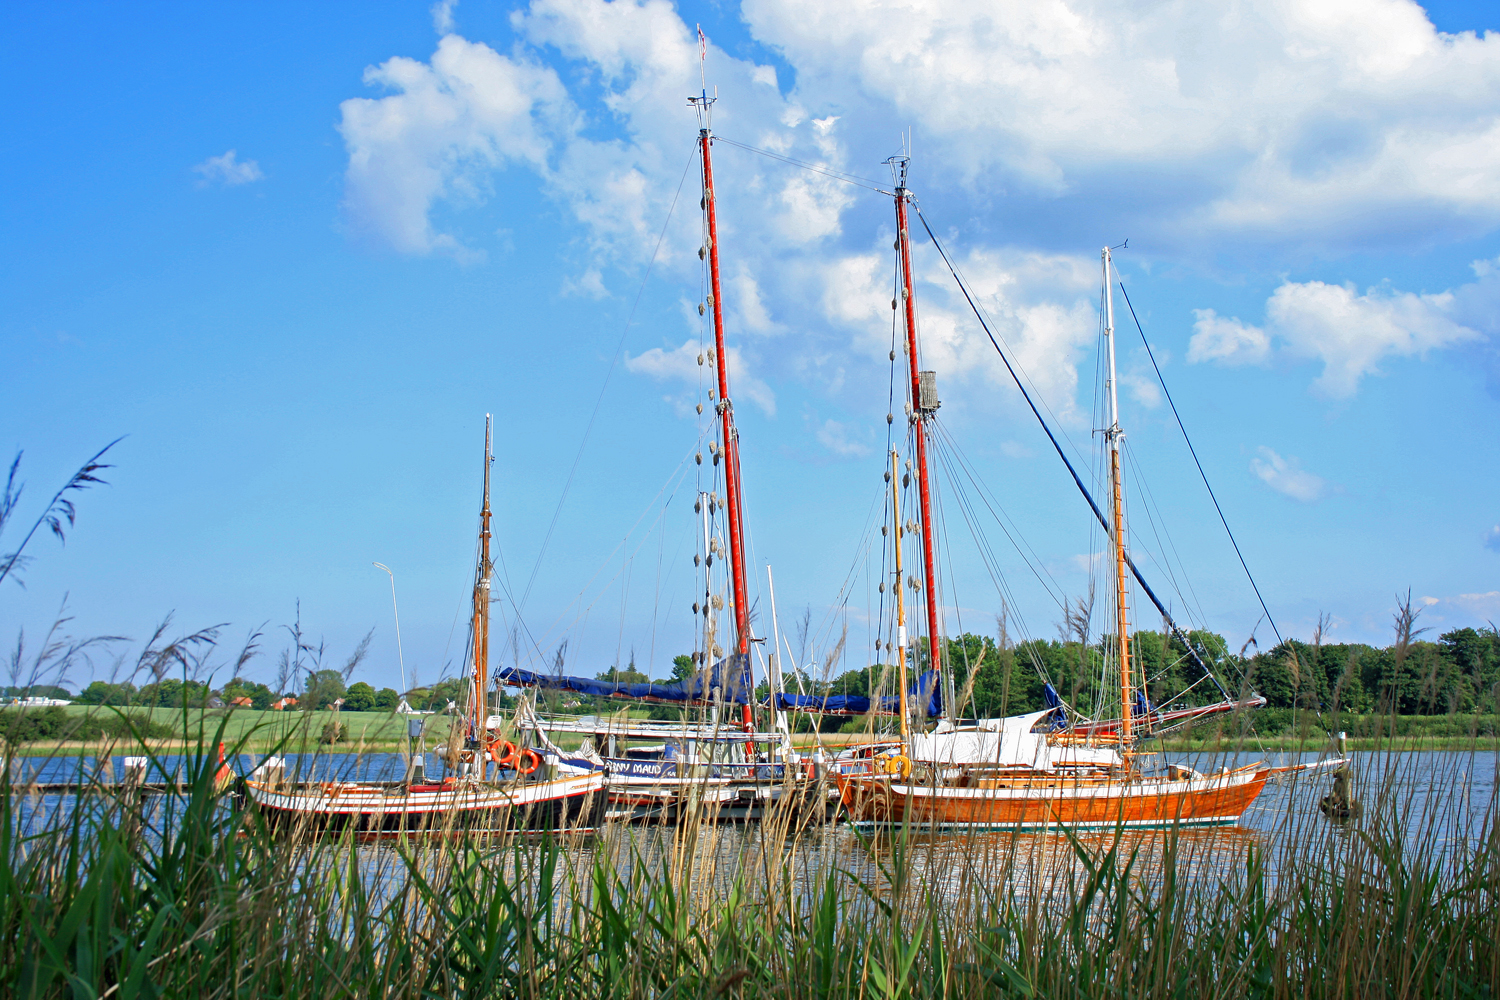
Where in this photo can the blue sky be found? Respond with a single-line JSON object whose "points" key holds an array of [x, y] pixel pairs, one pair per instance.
{"points": [[297, 252]]}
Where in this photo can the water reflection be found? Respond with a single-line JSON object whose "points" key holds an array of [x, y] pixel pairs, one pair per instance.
{"points": [[1439, 803]]}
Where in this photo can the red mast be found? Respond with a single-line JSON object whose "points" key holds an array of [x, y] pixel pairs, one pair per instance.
{"points": [[730, 440], [923, 405]]}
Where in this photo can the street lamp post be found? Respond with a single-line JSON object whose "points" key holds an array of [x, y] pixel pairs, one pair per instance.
{"points": [[401, 658]]}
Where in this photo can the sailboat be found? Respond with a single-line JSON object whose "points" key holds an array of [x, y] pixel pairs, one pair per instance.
{"points": [[721, 767], [497, 785], [1050, 768]]}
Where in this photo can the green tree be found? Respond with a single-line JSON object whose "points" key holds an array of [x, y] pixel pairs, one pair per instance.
{"points": [[1472, 662], [629, 675], [386, 700], [437, 697], [105, 693], [323, 688], [172, 693], [614, 675], [260, 696], [359, 698], [38, 691]]}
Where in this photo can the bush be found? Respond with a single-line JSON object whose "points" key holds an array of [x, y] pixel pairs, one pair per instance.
{"points": [[33, 725], [27, 725], [334, 732]]}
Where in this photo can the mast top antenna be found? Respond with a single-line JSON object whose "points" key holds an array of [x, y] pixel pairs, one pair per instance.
{"points": [[703, 102], [898, 165]]}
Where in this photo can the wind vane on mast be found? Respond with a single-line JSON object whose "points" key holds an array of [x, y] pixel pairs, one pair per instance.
{"points": [[703, 102]]}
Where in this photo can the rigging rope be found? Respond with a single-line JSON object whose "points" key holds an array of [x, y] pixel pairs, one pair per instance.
{"points": [[1058, 447], [1194, 452], [837, 175]]}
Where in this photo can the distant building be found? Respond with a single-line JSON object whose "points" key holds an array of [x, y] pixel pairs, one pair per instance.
{"points": [[244, 702], [38, 702], [283, 703]]}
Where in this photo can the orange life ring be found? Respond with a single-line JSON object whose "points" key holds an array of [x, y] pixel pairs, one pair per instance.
{"points": [[528, 761], [503, 753]]}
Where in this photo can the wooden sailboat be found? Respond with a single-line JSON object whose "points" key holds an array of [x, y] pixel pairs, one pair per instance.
{"points": [[720, 767], [1027, 772], [524, 791]]}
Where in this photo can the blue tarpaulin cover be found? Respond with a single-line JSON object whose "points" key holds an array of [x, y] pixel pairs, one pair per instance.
{"points": [[731, 675], [926, 692]]}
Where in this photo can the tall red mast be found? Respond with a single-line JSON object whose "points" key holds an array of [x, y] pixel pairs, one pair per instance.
{"points": [[923, 405], [730, 440]]}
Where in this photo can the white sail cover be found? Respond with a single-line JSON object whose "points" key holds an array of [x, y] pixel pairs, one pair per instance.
{"points": [[1007, 742]]}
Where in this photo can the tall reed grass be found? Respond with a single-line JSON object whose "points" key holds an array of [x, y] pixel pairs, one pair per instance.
{"points": [[188, 896]]}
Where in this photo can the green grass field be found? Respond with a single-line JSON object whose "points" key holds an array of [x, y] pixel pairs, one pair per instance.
{"points": [[261, 730]]}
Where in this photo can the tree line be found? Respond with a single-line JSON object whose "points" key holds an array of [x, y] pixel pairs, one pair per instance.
{"points": [[1459, 672]]}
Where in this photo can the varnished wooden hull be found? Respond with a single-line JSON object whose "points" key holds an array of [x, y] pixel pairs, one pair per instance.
{"points": [[571, 803], [1041, 802]]}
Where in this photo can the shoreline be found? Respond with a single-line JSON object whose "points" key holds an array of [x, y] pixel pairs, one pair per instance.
{"points": [[1278, 743]]}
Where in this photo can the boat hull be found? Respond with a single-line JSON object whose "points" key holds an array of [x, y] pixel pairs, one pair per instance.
{"points": [[674, 790], [799, 800], [1044, 802], [565, 804]]}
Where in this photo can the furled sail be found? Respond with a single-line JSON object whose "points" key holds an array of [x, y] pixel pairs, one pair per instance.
{"points": [[726, 682], [927, 693]]}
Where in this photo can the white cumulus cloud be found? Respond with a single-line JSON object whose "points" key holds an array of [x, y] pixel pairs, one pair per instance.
{"points": [[680, 364], [1286, 476], [228, 170], [1352, 332], [441, 133], [1226, 341], [1275, 120], [1243, 126], [1349, 331]]}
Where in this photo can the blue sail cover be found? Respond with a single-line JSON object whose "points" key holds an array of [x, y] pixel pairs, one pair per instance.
{"points": [[731, 676], [926, 692]]}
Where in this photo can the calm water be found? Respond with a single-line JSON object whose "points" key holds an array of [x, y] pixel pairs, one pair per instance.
{"points": [[1441, 803]]}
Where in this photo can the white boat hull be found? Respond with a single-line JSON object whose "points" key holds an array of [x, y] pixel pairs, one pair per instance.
{"points": [[568, 803]]}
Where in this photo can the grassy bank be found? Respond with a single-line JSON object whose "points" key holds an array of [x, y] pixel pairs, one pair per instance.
{"points": [[197, 900], [1275, 730], [172, 729]]}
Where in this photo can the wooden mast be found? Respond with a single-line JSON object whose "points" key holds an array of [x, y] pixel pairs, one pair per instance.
{"points": [[481, 621], [1113, 434], [922, 407], [730, 439], [900, 604]]}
